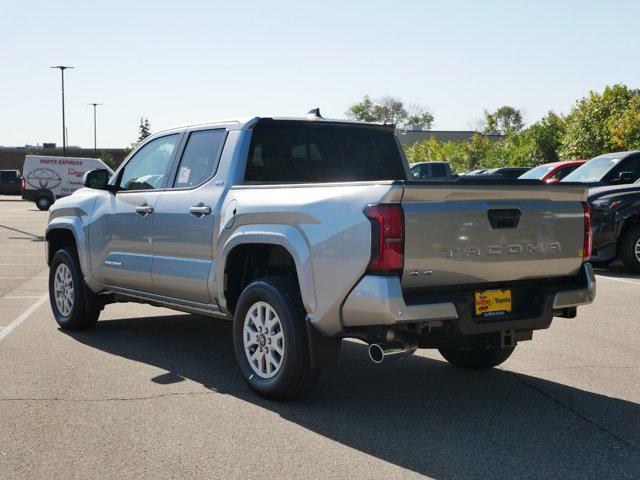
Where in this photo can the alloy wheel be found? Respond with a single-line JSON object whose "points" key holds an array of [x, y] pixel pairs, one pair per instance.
{"points": [[263, 340], [63, 289]]}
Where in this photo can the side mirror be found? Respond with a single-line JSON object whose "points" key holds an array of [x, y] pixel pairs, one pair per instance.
{"points": [[627, 177], [98, 179]]}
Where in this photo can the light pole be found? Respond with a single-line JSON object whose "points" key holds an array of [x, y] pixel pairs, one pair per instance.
{"points": [[95, 135], [64, 130]]}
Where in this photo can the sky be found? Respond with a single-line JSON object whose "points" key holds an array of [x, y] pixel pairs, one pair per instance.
{"points": [[188, 62]]}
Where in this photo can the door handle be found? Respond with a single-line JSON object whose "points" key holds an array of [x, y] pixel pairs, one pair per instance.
{"points": [[144, 210], [200, 210]]}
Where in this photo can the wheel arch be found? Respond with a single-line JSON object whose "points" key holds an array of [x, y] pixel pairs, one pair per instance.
{"points": [[275, 243], [67, 231]]}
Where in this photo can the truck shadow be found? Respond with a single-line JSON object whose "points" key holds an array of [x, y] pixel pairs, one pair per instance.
{"points": [[418, 413]]}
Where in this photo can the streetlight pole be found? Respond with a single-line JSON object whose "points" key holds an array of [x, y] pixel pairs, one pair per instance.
{"points": [[64, 129], [95, 135]]}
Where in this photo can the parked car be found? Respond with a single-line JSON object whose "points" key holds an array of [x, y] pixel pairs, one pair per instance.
{"points": [[10, 182], [608, 169], [48, 178], [424, 170], [616, 225], [507, 172], [552, 172], [307, 231]]}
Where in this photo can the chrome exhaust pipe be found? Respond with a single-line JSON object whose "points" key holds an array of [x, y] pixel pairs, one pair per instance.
{"points": [[387, 351]]}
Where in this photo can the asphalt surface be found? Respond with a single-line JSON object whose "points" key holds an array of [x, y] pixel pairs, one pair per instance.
{"points": [[151, 393]]}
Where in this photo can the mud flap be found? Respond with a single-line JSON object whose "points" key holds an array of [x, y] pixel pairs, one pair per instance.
{"points": [[323, 351]]}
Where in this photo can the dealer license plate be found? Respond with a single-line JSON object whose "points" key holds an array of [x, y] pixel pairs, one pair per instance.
{"points": [[493, 302]]}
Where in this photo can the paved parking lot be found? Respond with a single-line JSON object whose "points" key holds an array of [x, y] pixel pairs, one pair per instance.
{"points": [[151, 393]]}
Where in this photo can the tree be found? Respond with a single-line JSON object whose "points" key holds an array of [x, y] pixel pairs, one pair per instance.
{"points": [[390, 110], [625, 128], [599, 122], [419, 117], [144, 129], [504, 120]]}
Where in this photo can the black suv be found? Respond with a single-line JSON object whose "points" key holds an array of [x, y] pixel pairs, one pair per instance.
{"points": [[10, 182], [615, 215]]}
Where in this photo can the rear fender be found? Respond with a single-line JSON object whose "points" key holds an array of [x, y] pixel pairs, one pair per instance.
{"points": [[285, 236]]}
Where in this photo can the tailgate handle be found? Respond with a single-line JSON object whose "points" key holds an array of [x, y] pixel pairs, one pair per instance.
{"points": [[504, 217]]}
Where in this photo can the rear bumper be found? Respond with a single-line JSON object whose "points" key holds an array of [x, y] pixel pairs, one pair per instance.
{"points": [[378, 300]]}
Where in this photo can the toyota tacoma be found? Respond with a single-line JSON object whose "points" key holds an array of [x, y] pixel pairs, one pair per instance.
{"points": [[306, 231]]}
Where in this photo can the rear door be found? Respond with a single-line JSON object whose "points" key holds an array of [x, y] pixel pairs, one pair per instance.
{"points": [[121, 228], [459, 233], [184, 220]]}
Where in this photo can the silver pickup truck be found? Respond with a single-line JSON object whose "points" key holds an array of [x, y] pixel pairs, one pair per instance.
{"points": [[306, 231]]}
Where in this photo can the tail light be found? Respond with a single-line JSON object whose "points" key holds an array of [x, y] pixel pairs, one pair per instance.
{"points": [[586, 244], [24, 184], [387, 238]]}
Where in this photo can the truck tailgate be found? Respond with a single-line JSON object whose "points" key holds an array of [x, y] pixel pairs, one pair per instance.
{"points": [[467, 233]]}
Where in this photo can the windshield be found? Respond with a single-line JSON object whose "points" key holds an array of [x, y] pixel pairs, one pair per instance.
{"points": [[593, 170], [537, 173]]}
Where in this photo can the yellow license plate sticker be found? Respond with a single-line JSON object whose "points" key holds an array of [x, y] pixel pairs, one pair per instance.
{"points": [[493, 301]]}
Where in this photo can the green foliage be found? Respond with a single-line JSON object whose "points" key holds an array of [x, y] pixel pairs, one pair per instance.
{"points": [[144, 129], [108, 159], [625, 128], [601, 122], [503, 121], [390, 110]]}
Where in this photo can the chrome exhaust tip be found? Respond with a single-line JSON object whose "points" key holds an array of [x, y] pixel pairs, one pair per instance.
{"points": [[387, 351]]}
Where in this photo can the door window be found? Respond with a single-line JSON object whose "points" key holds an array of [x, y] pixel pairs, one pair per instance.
{"points": [[147, 169], [200, 158]]}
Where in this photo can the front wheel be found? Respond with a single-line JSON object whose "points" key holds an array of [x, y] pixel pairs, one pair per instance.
{"points": [[270, 339], [476, 358], [65, 292], [630, 249]]}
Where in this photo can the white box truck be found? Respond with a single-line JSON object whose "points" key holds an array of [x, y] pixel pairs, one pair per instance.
{"points": [[46, 178]]}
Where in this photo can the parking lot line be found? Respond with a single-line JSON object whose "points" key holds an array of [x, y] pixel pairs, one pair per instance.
{"points": [[26, 314]]}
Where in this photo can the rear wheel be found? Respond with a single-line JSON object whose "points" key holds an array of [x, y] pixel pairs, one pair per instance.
{"points": [[476, 358], [630, 249], [270, 339], [43, 203], [65, 292]]}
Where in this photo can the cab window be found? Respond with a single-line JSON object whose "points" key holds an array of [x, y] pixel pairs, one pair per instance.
{"points": [[200, 158], [148, 168]]}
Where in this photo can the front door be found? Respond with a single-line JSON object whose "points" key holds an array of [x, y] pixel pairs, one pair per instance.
{"points": [[121, 228], [183, 238]]}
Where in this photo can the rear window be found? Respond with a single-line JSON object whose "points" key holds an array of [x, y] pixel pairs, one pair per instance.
{"points": [[439, 170], [303, 152], [537, 173], [8, 176]]}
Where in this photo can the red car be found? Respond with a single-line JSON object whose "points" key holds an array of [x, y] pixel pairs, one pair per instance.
{"points": [[552, 172]]}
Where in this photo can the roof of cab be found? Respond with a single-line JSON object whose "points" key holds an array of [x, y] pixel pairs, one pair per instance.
{"points": [[245, 123]]}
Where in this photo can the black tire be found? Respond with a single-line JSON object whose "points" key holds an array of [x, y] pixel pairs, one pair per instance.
{"points": [[295, 375], [43, 203], [78, 317], [476, 358], [630, 240]]}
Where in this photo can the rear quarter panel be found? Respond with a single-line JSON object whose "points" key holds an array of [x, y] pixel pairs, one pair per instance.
{"points": [[325, 220]]}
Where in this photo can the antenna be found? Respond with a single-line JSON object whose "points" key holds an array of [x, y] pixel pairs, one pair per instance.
{"points": [[314, 113]]}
